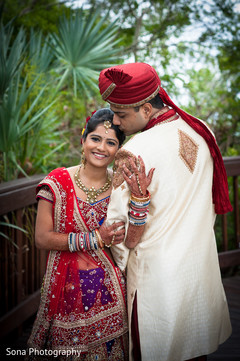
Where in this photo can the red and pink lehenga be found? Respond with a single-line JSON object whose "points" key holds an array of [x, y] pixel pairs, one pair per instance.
{"points": [[83, 301]]}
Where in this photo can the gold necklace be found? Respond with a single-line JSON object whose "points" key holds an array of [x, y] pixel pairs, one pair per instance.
{"points": [[92, 192]]}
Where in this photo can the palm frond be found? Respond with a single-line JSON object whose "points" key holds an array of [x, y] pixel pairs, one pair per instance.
{"points": [[10, 225], [11, 54], [83, 47], [40, 53]]}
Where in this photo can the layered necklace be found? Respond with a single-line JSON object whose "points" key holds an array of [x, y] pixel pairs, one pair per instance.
{"points": [[92, 192]]}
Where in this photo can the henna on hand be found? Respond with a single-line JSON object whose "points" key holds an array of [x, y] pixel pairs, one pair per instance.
{"points": [[138, 181]]}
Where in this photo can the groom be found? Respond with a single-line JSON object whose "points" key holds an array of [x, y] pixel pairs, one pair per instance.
{"points": [[176, 302]]}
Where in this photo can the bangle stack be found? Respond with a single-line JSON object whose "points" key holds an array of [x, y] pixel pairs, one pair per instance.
{"points": [[84, 241], [138, 209]]}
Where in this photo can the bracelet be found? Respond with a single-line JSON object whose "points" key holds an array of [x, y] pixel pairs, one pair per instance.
{"points": [[139, 185], [137, 220], [95, 240], [138, 209], [139, 205], [136, 223], [141, 198], [88, 244], [137, 214], [81, 242], [91, 242], [74, 241], [100, 241], [70, 242], [111, 243], [77, 242], [84, 241]]}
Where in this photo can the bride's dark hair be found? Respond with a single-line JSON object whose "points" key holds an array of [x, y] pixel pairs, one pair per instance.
{"points": [[99, 117]]}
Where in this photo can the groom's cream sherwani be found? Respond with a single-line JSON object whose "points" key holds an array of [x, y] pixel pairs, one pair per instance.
{"points": [[182, 308]]}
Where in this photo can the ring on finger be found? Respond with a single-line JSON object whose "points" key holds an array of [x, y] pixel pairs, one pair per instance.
{"points": [[130, 176]]}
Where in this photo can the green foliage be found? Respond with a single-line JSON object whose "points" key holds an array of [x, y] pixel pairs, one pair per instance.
{"points": [[38, 76], [183, 40], [82, 48], [20, 112], [147, 26], [10, 56], [63, 65], [9, 225], [39, 51], [210, 99], [15, 123], [41, 14]]}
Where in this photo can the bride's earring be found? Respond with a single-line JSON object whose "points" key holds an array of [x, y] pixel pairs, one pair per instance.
{"points": [[83, 159]]}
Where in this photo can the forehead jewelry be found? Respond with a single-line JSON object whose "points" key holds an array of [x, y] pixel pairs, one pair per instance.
{"points": [[107, 124]]}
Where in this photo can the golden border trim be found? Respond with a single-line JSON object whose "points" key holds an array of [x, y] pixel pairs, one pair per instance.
{"points": [[174, 117], [108, 91], [141, 102]]}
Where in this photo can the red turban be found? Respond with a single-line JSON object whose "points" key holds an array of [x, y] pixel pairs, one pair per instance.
{"points": [[131, 85]]}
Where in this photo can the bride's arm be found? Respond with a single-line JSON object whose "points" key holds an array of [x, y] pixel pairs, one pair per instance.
{"points": [[46, 238]]}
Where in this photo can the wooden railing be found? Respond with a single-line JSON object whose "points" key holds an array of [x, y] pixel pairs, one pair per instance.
{"points": [[231, 258], [22, 265]]}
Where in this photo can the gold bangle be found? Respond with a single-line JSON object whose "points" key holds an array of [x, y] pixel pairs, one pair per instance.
{"points": [[100, 241], [140, 199]]}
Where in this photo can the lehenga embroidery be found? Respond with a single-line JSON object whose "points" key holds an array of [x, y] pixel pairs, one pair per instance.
{"points": [[188, 150], [80, 308]]}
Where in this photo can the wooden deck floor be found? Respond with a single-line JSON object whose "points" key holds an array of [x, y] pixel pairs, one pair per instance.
{"points": [[230, 350]]}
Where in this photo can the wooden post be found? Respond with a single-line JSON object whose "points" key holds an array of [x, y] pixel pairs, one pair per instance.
{"points": [[236, 212]]}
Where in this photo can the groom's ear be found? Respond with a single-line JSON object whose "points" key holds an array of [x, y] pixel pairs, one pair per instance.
{"points": [[147, 110]]}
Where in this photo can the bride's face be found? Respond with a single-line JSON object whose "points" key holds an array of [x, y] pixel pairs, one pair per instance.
{"points": [[100, 146]]}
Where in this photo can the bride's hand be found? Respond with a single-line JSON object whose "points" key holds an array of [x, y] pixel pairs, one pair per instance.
{"points": [[137, 180], [111, 235]]}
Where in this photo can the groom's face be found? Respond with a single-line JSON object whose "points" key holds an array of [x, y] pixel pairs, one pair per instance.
{"points": [[129, 120]]}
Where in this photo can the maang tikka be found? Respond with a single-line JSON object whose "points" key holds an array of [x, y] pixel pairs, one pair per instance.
{"points": [[107, 124]]}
